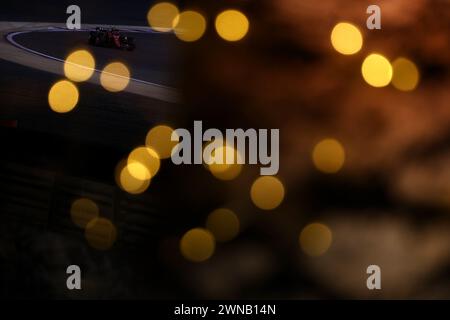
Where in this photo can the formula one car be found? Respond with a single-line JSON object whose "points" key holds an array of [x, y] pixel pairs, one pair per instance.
{"points": [[111, 38]]}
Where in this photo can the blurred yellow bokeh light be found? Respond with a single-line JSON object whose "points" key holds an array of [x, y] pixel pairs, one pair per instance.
{"points": [[143, 163], [216, 163], [115, 77], [128, 183], [406, 75], [189, 26], [377, 70], [83, 211], [232, 25], [63, 96], [328, 156], [346, 38], [267, 192], [79, 66], [223, 223], [315, 239], [159, 138], [161, 16], [101, 233], [197, 245], [231, 171]]}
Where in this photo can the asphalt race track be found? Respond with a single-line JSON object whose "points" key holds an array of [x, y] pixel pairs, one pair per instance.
{"points": [[49, 159], [152, 61], [32, 56], [44, 46]]}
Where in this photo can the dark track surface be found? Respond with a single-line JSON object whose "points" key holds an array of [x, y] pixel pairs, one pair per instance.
{"points": [[153, 60], [85, 144]]}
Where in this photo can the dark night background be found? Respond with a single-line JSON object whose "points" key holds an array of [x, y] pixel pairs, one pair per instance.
{"points": [[388, 206]]}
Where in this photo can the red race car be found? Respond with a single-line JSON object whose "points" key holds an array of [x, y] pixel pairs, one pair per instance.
{"points": [[110, 38]]}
